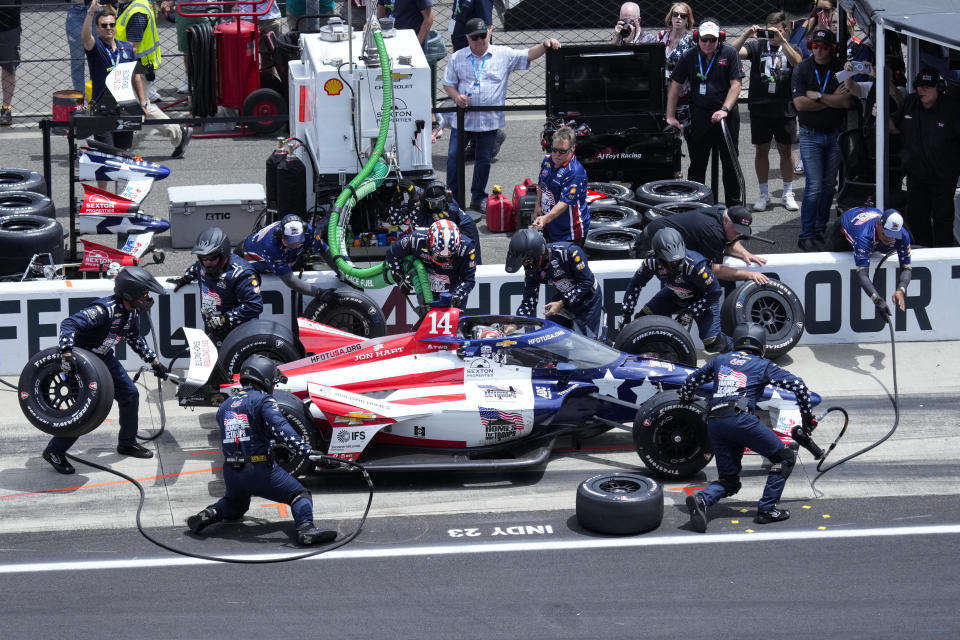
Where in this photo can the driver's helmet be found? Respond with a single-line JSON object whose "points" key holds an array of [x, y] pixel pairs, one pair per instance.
{"points": [[669, 248], [435, 199], [444, 241], [482, 331]]}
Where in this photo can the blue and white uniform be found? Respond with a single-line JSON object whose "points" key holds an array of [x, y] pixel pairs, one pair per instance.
{"points": [[266, 253], [566, 269], [235, 294], [567, 183], [859, 228], [458, 277]]}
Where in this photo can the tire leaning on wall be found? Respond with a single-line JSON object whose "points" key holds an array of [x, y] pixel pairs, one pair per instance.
{"points": [[68, 406]]}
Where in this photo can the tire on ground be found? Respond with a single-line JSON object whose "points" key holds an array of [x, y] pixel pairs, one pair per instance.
{"points": [[264, 337], [620, 503], [24, 180], [611, 189], [611, 243], [659, 337], [26, 202], [774, 306], [66, 406], [299, 418], [670, 208], [22, 236], [349, 311], [661, 191], [614, 215], [671, 437]]}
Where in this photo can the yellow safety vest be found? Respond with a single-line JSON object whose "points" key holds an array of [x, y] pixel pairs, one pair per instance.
{"points": [[148, 52]]}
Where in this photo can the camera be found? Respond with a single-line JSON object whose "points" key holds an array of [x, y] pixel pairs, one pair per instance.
{"points": [[860, 67], [766, 34], [627, 27]]}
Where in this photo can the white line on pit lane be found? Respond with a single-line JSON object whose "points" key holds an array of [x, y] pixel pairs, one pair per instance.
{"points": [[504, 547]]}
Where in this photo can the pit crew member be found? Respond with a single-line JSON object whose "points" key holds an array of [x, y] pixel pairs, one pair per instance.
{"points": [[562, 193], [423, 207], [868, 229], [98, 327], [229, 287], [448, 257], [564, 266], [250, 422], [278, 247], [688, 284], [738, 380]]}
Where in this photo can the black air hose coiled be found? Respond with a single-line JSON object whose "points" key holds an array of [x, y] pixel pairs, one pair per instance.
{"points": [[200, 48]]}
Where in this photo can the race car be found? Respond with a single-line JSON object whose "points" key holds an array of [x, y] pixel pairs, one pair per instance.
{"points": [[491, 392]]}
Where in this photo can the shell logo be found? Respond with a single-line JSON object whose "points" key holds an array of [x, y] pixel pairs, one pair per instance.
{"points": [[333, 87]]}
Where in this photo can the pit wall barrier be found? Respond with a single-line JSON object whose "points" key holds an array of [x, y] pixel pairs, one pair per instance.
{"points": [[836, 309]]}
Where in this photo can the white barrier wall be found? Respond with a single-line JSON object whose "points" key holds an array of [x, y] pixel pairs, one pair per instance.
{"points": [[836, 309]]}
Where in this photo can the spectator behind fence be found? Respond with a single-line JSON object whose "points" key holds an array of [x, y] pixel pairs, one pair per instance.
{"points": [[714, 71], [183, 23], [676, 40], [73, 26], [478, 76], [463, 11], [821, 102], [772, 114], [416, 15], [930, 127], [629, 28], [137, 24], [820, 17], [9, 55]]}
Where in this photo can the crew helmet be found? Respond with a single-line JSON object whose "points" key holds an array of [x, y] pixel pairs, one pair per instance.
{"points": [[444, 241], [213, 242], [435, 197], [134, 285], [527, 247], [668, 247], [291, 229], [750, 337], [261, 371]]}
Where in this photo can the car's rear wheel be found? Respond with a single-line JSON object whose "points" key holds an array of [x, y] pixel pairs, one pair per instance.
{"points": [[263, 337], [657, 337], [296, 413], [348, 311], [620, 503]]}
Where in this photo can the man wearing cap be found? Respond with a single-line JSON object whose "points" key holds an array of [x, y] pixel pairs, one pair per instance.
{"points": [[930, 130], [714, 232], [278, 247], [477, 76], [821, 102], [714, 72], [868, 229]]}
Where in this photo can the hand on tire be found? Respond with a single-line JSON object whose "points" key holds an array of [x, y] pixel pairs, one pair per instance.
{"points": [[216, 321], [68, 362], [624, 321]]}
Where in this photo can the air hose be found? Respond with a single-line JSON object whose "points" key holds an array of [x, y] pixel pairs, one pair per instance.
{"points": [[200, 72], [368, 180]]}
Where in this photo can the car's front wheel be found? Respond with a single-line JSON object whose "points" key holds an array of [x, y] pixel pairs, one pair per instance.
{"points": [[671, 437]]}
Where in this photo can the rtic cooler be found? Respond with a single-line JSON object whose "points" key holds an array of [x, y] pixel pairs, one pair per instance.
{"points": [[500, 217], [232, 207]]}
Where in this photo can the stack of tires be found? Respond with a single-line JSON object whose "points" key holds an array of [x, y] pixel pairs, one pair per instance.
{"points": [[616, 228], [28, 223]]}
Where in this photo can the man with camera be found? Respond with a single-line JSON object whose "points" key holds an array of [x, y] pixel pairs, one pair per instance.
{"points": [[772, 114], [629, 29]]}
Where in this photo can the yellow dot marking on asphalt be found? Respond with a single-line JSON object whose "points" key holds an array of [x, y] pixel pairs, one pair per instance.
{"points": [[826, 515], [806, 506], [743, 510], [822, 528], [734, 522], [750, 531]]}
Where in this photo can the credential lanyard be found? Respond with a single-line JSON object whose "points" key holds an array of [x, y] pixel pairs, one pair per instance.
{"points": [[703, 76], [823, 85], [477, 73], [114, 61]]}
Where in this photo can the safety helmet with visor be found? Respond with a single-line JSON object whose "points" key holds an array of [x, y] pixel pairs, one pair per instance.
{"points": [[527, 248], [134, 285]]}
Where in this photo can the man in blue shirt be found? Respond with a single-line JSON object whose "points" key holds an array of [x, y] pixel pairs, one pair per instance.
{"points": [[564, 266], [561, 211], [738, 380], [279, 246], [868, 229]]}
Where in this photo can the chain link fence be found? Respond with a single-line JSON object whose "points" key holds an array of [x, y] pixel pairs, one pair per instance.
{"points": [[46, 42]]}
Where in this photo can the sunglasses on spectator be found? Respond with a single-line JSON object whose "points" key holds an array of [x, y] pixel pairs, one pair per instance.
{"points": [[107, 25], [560, 151], [677, 14], [480, 37], [709, 40], [815, 46]]}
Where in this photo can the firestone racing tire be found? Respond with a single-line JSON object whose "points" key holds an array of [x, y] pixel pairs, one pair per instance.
{"points": [[26, 202], [23, 180], [299, 418], [658, 337], [671, 437], [774, 306], [263, 337], [614, 215], [620, 503], [611, 189], [22, 236], [65, 405], [611, 243], [668, 208], [663, 191], [349, 311]]}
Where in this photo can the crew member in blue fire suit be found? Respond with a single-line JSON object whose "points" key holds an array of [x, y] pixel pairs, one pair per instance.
{"points": [[423, 207], [738, 380], [448, 257], [250, 423], [279, 246], [563, 265], [98, 327], [868, 229], [229, 287]]}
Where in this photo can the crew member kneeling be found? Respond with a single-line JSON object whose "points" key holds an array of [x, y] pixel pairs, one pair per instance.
{"points": [[98, 327], [249, 420], [563, 265], [738, 381]]}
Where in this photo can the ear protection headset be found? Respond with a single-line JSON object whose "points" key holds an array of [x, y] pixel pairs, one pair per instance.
{"points": [[720, 39], [815, 32], [941, 83]]}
